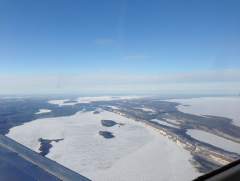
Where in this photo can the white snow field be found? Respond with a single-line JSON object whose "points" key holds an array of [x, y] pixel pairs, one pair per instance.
{"points": [[43, 111], [228, 107], [62, 102], [147, 109], [136, 152], [214, 140], [113, 107]]}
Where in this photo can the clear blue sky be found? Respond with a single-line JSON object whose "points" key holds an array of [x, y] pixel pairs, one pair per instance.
{"points": [[123, 36]]}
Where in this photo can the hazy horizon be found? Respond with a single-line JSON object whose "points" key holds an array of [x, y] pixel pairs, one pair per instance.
{"points": [[123, 47]]}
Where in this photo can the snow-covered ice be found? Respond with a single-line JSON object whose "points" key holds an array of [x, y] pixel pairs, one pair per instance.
{"points": [[135, 153], [42, 111], [147, 109], [217, 106], [104, 98], [63, 102], [113, 107], [214, 140]]}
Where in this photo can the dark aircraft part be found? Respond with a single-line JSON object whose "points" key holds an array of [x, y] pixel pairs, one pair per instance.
{"points": [[230, 172]]}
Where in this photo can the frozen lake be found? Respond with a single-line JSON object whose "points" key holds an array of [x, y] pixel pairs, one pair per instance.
{"points": [[214, 140], [228, 107], [135, 153]]}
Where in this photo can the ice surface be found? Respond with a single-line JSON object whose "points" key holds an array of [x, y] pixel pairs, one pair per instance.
{"points": [[113, 107], [135, 153], [147, 109], [42, 111], [215, 140], [62, 102], [103, 98], [217, 106]]}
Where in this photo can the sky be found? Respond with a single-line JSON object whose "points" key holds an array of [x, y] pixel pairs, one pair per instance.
{"points": [[119, 46]]}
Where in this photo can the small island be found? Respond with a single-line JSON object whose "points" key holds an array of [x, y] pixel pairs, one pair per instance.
{"points": [[45, 145], [108, 123], [106, 134]]}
